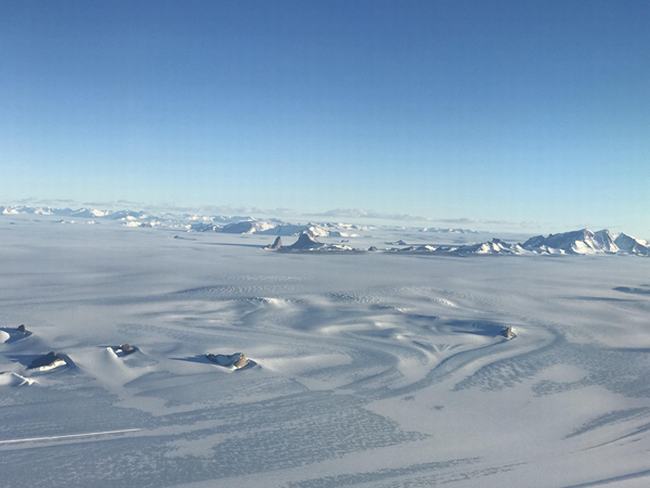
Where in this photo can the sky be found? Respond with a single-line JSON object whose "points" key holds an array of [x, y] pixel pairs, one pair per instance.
{"points": [[529, 113]]}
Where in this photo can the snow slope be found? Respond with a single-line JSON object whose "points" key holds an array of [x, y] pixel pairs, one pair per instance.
{"points": [[373, 369]]}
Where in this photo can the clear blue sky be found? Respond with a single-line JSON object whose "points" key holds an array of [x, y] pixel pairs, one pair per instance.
{"points": [[491, 110]]}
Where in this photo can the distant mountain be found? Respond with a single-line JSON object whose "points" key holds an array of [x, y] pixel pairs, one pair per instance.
{"points": [[246, 227], [80, 213], [632, 245], [284, 229], [585, 241], [271, 227], [604, 240], [277, 244], [578, 242], [493, 247], [445, 230], [202, 227], [307, 243], [228, 219]]}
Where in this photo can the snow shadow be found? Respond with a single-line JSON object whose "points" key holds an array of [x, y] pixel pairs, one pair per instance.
{"points": [[633, 290], [486, 328], [202, 359]]}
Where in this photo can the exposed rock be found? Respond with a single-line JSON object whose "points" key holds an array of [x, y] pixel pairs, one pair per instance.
{"points": [[48, 362], [123, 349], [509, 332], [235, 361], [13, 334], [277, 244]]}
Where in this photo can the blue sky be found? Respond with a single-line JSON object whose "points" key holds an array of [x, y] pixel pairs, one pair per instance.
{"points": [[501, 110]]}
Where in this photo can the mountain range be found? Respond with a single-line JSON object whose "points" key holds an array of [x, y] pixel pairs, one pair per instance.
{"points": [[578, 242]]}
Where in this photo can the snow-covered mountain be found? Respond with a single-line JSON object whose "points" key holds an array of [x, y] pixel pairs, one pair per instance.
{"points": [[306, 242], [246, 227], [315, 230], [584, 241], [632, 245], [448, 230], [272, 227], [492, 247], [495, 246], [80, 213], [605, 241]]}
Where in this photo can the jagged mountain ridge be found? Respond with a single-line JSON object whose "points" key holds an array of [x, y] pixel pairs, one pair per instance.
{"points": [[580, 242], [584, 241]]}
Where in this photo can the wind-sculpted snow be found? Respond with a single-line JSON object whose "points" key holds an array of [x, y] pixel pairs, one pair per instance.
{"points": [[368, 369]]}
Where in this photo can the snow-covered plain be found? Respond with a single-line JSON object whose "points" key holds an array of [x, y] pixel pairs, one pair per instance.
{"points": [[370, 369]]}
